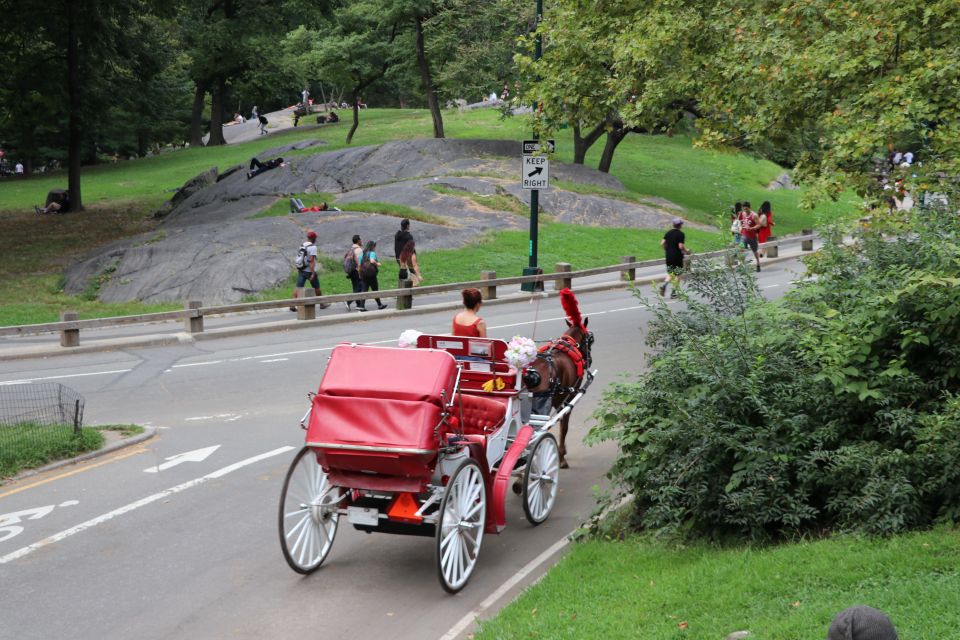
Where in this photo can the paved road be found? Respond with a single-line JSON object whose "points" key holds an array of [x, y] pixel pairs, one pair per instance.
{"points": [[191, 551]]}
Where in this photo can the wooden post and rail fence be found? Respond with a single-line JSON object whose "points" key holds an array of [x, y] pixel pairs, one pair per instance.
{"points": [[194, 312]]}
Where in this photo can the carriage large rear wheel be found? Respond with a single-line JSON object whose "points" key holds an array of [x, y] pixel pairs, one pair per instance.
{"points": [[463, 513], [308, 513], [540, 479]]}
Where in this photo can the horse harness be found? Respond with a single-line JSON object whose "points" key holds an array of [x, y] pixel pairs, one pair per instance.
{"points": [[569, 347]]}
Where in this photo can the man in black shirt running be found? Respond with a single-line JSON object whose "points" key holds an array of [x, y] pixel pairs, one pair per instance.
{"points": [[674, 249]]}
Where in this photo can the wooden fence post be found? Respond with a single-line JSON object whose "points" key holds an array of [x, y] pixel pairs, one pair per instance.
{"points": [[193, 325], [806, 245], [563, 283], [405, 301], [69, 337], [489, 291], [628, 274], [305, 311]]}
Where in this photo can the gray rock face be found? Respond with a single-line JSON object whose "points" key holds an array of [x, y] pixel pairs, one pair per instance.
{"points": [[210, 248], [189, 188], [783, 181]]}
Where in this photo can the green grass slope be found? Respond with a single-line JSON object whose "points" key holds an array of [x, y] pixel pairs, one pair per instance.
{"points": [[119, 198], [639, 589]]}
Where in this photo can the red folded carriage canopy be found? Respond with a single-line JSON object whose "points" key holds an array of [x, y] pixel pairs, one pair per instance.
{"points": [[378, 408]]}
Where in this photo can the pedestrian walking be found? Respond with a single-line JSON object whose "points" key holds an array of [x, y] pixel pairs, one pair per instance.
{"points": [[402, 237], [254, 114], [305, 94], [674, 249], [351, 266], [18, 169], [263, 124], [766, 222], [306, 264], [749, 230], [409, 267], [369, 270], [735, 222]]}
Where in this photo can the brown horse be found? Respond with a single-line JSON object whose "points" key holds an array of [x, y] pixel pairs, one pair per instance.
{"points": [[558, 372]]}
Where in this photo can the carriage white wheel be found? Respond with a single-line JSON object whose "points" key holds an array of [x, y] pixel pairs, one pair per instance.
{"points": [[540, 480], [308, 513], [463, 513]]}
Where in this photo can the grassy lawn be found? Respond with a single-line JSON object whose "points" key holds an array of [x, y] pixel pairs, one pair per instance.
{"points": [[504, 251], [27, 445], [641, 589], [120, 197]]}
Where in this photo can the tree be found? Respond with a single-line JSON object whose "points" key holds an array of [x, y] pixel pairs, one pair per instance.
{"points": [[357, 47], [472, 44], [852, 77]]}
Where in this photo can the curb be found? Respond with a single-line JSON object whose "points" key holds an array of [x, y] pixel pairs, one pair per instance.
{"points": [[148, 432], [182, 337]]}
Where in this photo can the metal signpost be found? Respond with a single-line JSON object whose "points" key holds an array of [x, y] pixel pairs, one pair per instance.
{"points": [[535, 175]]}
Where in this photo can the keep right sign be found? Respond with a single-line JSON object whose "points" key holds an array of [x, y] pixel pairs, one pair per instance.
{"points": [[535, 172]]}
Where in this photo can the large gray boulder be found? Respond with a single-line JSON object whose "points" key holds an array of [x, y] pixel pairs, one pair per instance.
{"points": [[211, 247]]}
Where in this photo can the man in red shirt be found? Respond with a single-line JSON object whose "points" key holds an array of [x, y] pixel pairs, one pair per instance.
{"points": [[749, 228]]}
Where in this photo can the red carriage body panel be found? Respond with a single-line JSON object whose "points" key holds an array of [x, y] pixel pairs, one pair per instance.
{"points": [[378, 411]]}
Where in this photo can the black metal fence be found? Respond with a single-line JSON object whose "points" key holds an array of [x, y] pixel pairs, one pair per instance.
{"points": [[37, 416]]}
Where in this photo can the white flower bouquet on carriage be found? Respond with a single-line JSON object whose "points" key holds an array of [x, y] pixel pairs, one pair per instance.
{"points": [[520, 352], [408, 339]]}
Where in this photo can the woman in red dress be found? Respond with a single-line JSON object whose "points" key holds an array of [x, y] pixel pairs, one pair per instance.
{"points": [[467, 323], [766, 222]]}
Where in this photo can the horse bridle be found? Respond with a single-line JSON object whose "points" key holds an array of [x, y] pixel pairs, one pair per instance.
{"points": [[532, 379]]}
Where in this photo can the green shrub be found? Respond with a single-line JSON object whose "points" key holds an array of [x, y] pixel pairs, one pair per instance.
{"points": [[835, 409]]}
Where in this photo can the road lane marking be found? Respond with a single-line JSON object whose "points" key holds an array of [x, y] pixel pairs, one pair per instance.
{"points": [[197, 455], [275, 360], [66, 375], [119, 456], [770, 286], [469, 619], [110, 515]]}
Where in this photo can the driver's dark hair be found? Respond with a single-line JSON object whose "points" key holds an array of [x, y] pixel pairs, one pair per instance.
{"points": [[404, 224], [471, 298]]}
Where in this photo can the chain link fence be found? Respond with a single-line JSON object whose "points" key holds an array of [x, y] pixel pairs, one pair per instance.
{"points": [[37, 421]]}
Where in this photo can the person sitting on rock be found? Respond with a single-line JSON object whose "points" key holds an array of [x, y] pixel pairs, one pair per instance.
{"points": [[257, 167]]}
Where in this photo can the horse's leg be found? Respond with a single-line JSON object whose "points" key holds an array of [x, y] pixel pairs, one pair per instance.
{"points": [[564, 424]]}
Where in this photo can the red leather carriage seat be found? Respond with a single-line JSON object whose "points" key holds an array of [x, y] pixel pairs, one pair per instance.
{"points": [[480, 415]]}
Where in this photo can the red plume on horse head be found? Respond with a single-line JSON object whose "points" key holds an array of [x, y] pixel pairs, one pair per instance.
{"points": [[571, 307]]}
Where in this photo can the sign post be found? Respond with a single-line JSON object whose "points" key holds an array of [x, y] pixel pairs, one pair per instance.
{"points": [[535, 175]]}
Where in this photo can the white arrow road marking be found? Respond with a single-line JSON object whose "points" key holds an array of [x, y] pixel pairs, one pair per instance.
{"points": [[197, 455], [83, 526]]}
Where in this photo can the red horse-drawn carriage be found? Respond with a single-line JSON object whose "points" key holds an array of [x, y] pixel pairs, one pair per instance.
{"points": [[423, 441]]}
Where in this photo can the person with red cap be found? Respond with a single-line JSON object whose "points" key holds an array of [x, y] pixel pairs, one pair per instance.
{"points": [[307, 268]]}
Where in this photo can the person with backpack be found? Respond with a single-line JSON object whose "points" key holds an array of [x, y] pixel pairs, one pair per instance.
{"points": [[263, 124], [306, 264], [401, 239], [369, 269], [351, 266]]}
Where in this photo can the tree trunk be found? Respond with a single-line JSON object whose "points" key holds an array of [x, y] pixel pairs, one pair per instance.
{"points": [[614, 137], [216, 114], [356, 115], [73, 98], [196, 117], [428, 80], [582, 144]]}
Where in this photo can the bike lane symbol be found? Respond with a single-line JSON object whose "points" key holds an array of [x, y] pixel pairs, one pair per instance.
{"points": [[9, 522]]}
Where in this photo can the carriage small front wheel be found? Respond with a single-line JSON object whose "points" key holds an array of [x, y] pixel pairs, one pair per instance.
{"points": [[540, 479], [308, 513], [463, 514]]}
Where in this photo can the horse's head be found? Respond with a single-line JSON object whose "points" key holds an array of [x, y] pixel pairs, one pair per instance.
{"points": [[583, 337]]}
